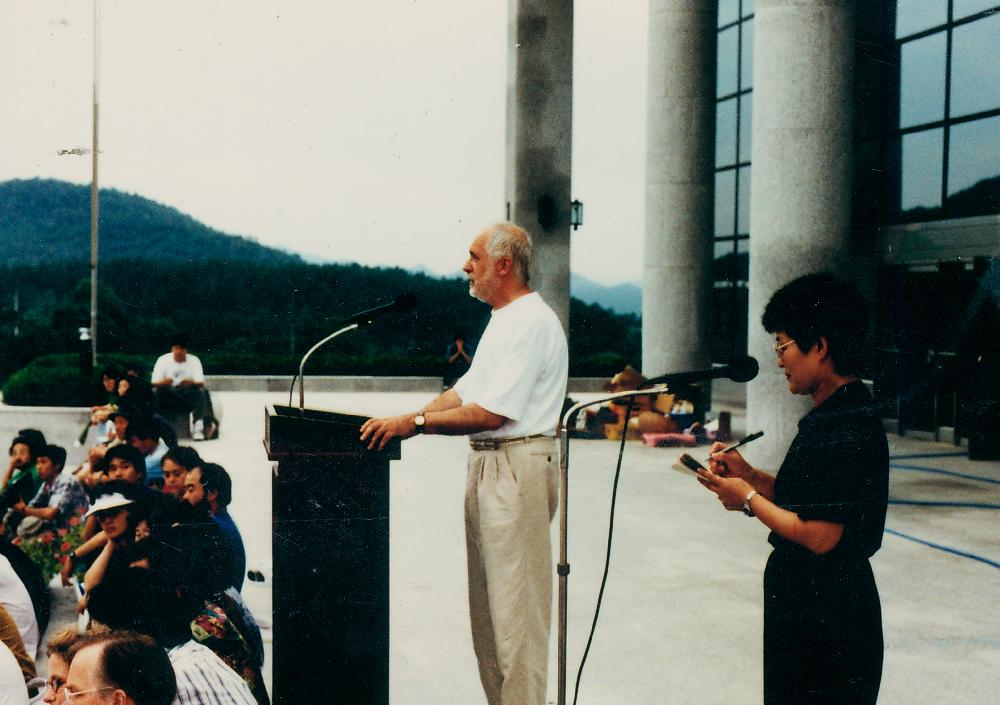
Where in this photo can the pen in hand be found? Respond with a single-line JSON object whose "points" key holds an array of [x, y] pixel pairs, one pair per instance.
{"points": [[734, 446]]}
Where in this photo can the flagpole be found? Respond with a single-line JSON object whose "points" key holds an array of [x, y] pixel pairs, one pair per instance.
{"points": [[94, 198]]}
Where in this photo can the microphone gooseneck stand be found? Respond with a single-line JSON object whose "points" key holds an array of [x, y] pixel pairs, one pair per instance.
{"points": [[314, 348], [401, 304], [562, 569]]}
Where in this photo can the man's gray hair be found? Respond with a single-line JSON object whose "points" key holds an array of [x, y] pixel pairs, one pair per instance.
{"points": [[509, 240]]}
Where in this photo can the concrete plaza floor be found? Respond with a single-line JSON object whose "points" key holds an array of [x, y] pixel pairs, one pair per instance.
{"points": [[681, 618]]}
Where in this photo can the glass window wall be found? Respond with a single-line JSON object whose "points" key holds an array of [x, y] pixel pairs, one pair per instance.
{"points": [[975, 67], [974, 168], [921, 80], [726, 81], [923, 157], [914, 16], [732, 177], [948, 129], [725, 135]]}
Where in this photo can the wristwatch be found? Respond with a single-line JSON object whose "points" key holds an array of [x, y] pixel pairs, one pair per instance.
{"points": [[420, 420], [746, 503]]}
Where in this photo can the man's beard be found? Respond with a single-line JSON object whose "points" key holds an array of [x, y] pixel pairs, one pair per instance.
{"points": [[481, 290], [202, 506]]}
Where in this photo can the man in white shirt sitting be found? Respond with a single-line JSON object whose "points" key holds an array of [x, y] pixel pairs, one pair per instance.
{"points": [[179, 382], [509, 402]]}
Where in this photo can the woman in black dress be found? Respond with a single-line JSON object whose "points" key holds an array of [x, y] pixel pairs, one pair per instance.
{"points": [[825, 508]]}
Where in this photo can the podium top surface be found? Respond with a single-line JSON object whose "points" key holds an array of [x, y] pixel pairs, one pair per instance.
{"points": [[291, 432], [323, 415]]}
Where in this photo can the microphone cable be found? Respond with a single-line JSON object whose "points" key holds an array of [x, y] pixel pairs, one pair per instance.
{"points": [[607, 557]]}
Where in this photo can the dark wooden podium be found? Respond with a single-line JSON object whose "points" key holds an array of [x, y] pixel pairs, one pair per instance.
{"points": [[330, 512]]}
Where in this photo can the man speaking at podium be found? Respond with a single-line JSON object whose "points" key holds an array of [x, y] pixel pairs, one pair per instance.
{"points": [[509, 403]]}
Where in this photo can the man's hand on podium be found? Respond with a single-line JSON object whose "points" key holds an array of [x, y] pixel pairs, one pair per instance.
{"points": [[378, 432]]}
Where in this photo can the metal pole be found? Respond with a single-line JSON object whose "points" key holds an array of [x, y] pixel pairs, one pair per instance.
{"points": [[562, 568], [94, 199]]}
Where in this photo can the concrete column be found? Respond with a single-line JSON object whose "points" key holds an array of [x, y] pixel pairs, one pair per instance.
{"points": [[539, 138], [800, 204], [680, 180]]}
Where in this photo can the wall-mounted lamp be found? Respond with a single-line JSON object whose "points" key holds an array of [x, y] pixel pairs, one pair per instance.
{"points": [[575, 214]]}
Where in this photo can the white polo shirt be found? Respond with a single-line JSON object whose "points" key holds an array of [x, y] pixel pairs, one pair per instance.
{"points": [[520, 369], [167, 367]]}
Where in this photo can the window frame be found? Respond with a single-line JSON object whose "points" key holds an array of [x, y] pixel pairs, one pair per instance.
{"points": [[895, 215]]}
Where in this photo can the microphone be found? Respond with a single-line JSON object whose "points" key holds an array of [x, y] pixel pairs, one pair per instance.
{"points": [[403, 302], [742, 370]]}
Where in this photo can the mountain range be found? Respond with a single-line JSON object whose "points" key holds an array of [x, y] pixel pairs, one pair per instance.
{"points": [[45, 220]]}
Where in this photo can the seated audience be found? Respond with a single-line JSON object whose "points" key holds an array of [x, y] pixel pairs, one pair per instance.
{"points": [[20, 481], [110, 376], [209, 487], [202, 676], [136, 392], [60, 496], [90, 473], [144, 436], [158, 574], [124, 667], [116, 512], [32, 579], [124, 464], [180, 386], [13, 690], [16, 600], [57, 649], [11, 638], [176, 464]]}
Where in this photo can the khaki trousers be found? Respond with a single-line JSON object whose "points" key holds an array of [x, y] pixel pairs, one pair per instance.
{"points": [[511, 496]]}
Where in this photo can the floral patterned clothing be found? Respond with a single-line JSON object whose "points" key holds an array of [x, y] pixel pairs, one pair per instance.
{"points": [[213, 628], [66, 494]]}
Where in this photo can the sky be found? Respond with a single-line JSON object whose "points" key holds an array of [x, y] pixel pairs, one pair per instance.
{"points": [[368, 132]]}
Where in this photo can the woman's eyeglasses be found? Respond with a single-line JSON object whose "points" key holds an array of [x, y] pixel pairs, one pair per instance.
{"points": [[779, 348], [54, 684]]}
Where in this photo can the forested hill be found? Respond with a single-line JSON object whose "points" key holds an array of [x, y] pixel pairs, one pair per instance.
{"points": [[44, 220], [256, 314]]}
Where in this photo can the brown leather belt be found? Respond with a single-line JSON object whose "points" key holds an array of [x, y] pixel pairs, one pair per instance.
{"points": [[498, 443]]}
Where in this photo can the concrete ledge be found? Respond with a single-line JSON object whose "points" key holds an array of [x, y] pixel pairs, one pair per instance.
{"points": [[346, 383], [61, 425]]}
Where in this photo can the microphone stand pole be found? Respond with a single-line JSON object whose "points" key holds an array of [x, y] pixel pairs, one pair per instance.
{"points": [[563, 566], [314, 348]]}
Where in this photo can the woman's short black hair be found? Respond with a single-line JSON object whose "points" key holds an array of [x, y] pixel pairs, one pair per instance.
{"points": [[33, 438], [185, 456], [821, 305]]}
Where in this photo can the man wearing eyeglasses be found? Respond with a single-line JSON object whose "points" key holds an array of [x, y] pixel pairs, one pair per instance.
{"points": [[119, 668], [57, 649]]}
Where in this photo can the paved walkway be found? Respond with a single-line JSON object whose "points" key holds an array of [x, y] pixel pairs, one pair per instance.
{"points": [[681, 619]]}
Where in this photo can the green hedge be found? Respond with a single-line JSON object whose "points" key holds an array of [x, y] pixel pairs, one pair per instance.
{"points": [[55, 380], [51, 380]]}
